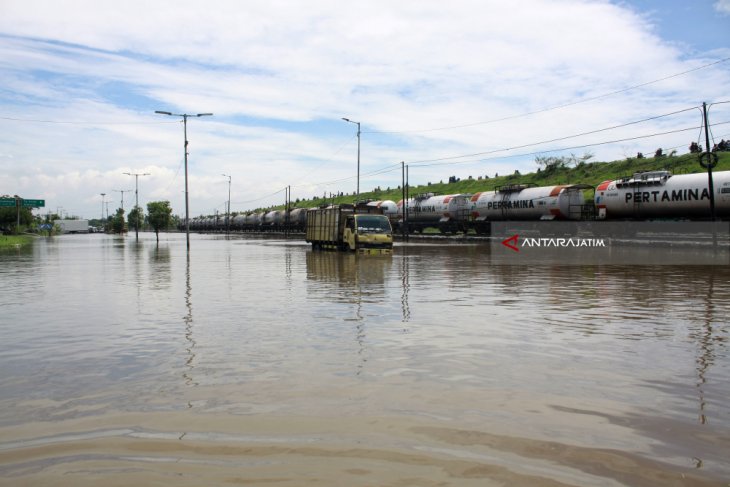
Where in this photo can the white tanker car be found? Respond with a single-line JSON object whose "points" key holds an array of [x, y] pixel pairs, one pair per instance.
{"points": [[659, 194], [519, 202], [448, 213]]}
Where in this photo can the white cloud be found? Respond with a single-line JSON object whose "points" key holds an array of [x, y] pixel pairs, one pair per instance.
{"points": [[280, 75], [722, 6]]}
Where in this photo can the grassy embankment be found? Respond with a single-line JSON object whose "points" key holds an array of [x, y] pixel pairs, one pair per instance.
{"points": [[587, 173], [14, 241]]}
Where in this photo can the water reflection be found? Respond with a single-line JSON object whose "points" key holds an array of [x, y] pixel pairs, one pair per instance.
{"points": [[354, 281], [160, 272], [405, 287], [188, 320], [706, 339]]}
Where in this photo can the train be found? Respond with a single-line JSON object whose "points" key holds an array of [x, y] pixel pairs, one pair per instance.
{"points": [[642, 196]]}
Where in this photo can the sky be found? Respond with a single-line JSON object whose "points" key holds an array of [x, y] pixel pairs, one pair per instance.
{"points": [[464, 88]]}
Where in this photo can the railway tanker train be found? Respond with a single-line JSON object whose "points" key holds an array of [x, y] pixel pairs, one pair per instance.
{"points": [[643, 196]]}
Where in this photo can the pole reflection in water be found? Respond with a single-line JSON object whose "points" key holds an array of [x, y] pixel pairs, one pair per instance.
{"points": [[188, 320], [357, 283], [405, 285], [705, 339]]}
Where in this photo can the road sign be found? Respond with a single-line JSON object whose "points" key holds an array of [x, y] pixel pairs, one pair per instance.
{"points": [[34, 203], [26, 203]]}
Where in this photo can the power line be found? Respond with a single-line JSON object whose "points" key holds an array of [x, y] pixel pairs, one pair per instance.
{"points": [[570, 148], [556, 139], [259, 198]]}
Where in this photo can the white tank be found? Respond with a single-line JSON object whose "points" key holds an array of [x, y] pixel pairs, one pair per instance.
{"points": [[661, 194], [298, 217], [268, 218], [436, 210], [389, 207], [239, 221], [564, 202], [252, 219]]}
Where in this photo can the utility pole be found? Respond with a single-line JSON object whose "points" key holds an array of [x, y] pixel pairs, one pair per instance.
{"points": [[136, 199], [710, 162], [122, 191], [102, 210], [228, 211], [358, 155], [404, 229], [185, 131]]}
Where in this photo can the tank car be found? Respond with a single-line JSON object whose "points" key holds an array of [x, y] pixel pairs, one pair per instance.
{"points": [[520, 202], [298, 219], [252, 222], [448, 213], [270, 219], [239, 222], [659, 194], [388, 207]]}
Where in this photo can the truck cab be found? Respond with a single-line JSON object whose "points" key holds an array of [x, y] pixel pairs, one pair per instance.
{"points": [[367, 232]]}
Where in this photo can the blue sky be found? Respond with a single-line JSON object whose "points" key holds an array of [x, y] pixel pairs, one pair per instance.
{"points": [[447, 88]]}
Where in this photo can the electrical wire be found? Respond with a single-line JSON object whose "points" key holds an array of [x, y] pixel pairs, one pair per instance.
{"points": [[259, 198], [554, 140], [566, 148]]}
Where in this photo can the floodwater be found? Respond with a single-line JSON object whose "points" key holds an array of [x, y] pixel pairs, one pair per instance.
{"points": [[259, 362]]}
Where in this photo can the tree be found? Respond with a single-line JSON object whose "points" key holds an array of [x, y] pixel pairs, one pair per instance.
{"points": [[159, 215], [551, 163], [135, 217], [9, 217], [580, 160], [118, 223]]}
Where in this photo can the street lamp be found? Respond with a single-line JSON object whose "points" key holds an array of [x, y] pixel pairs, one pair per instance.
{"points": [[136, 199], [185, 129], [102, 209], [228, 213], [122, 191], [358, 153]]}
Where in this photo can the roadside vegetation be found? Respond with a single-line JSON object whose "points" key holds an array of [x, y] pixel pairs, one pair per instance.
{"points": [[14, 241]]}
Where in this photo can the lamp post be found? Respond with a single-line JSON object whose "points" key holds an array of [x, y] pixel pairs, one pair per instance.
{"points": [[136, 199], [102, 209], [185, 130], [228, 212], [358, 153], [122, 191]]}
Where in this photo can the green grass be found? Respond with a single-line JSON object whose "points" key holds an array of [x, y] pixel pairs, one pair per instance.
{"points": [[14, 241]]}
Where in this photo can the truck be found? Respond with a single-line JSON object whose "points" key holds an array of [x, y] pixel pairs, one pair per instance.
{"points": [[73, 226], [362, 229]]}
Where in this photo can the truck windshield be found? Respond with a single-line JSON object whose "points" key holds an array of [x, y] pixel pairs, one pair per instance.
{"points": [[373, 224]]}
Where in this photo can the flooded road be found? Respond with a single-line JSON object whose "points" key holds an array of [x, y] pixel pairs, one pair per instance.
{"points": [[255, 361]]}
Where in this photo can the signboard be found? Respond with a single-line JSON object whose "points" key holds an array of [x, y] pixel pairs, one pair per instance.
{"points": [[34, 203], [5, 202]]}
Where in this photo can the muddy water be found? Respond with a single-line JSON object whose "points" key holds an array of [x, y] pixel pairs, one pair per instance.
{"points": [[259, 362]]}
